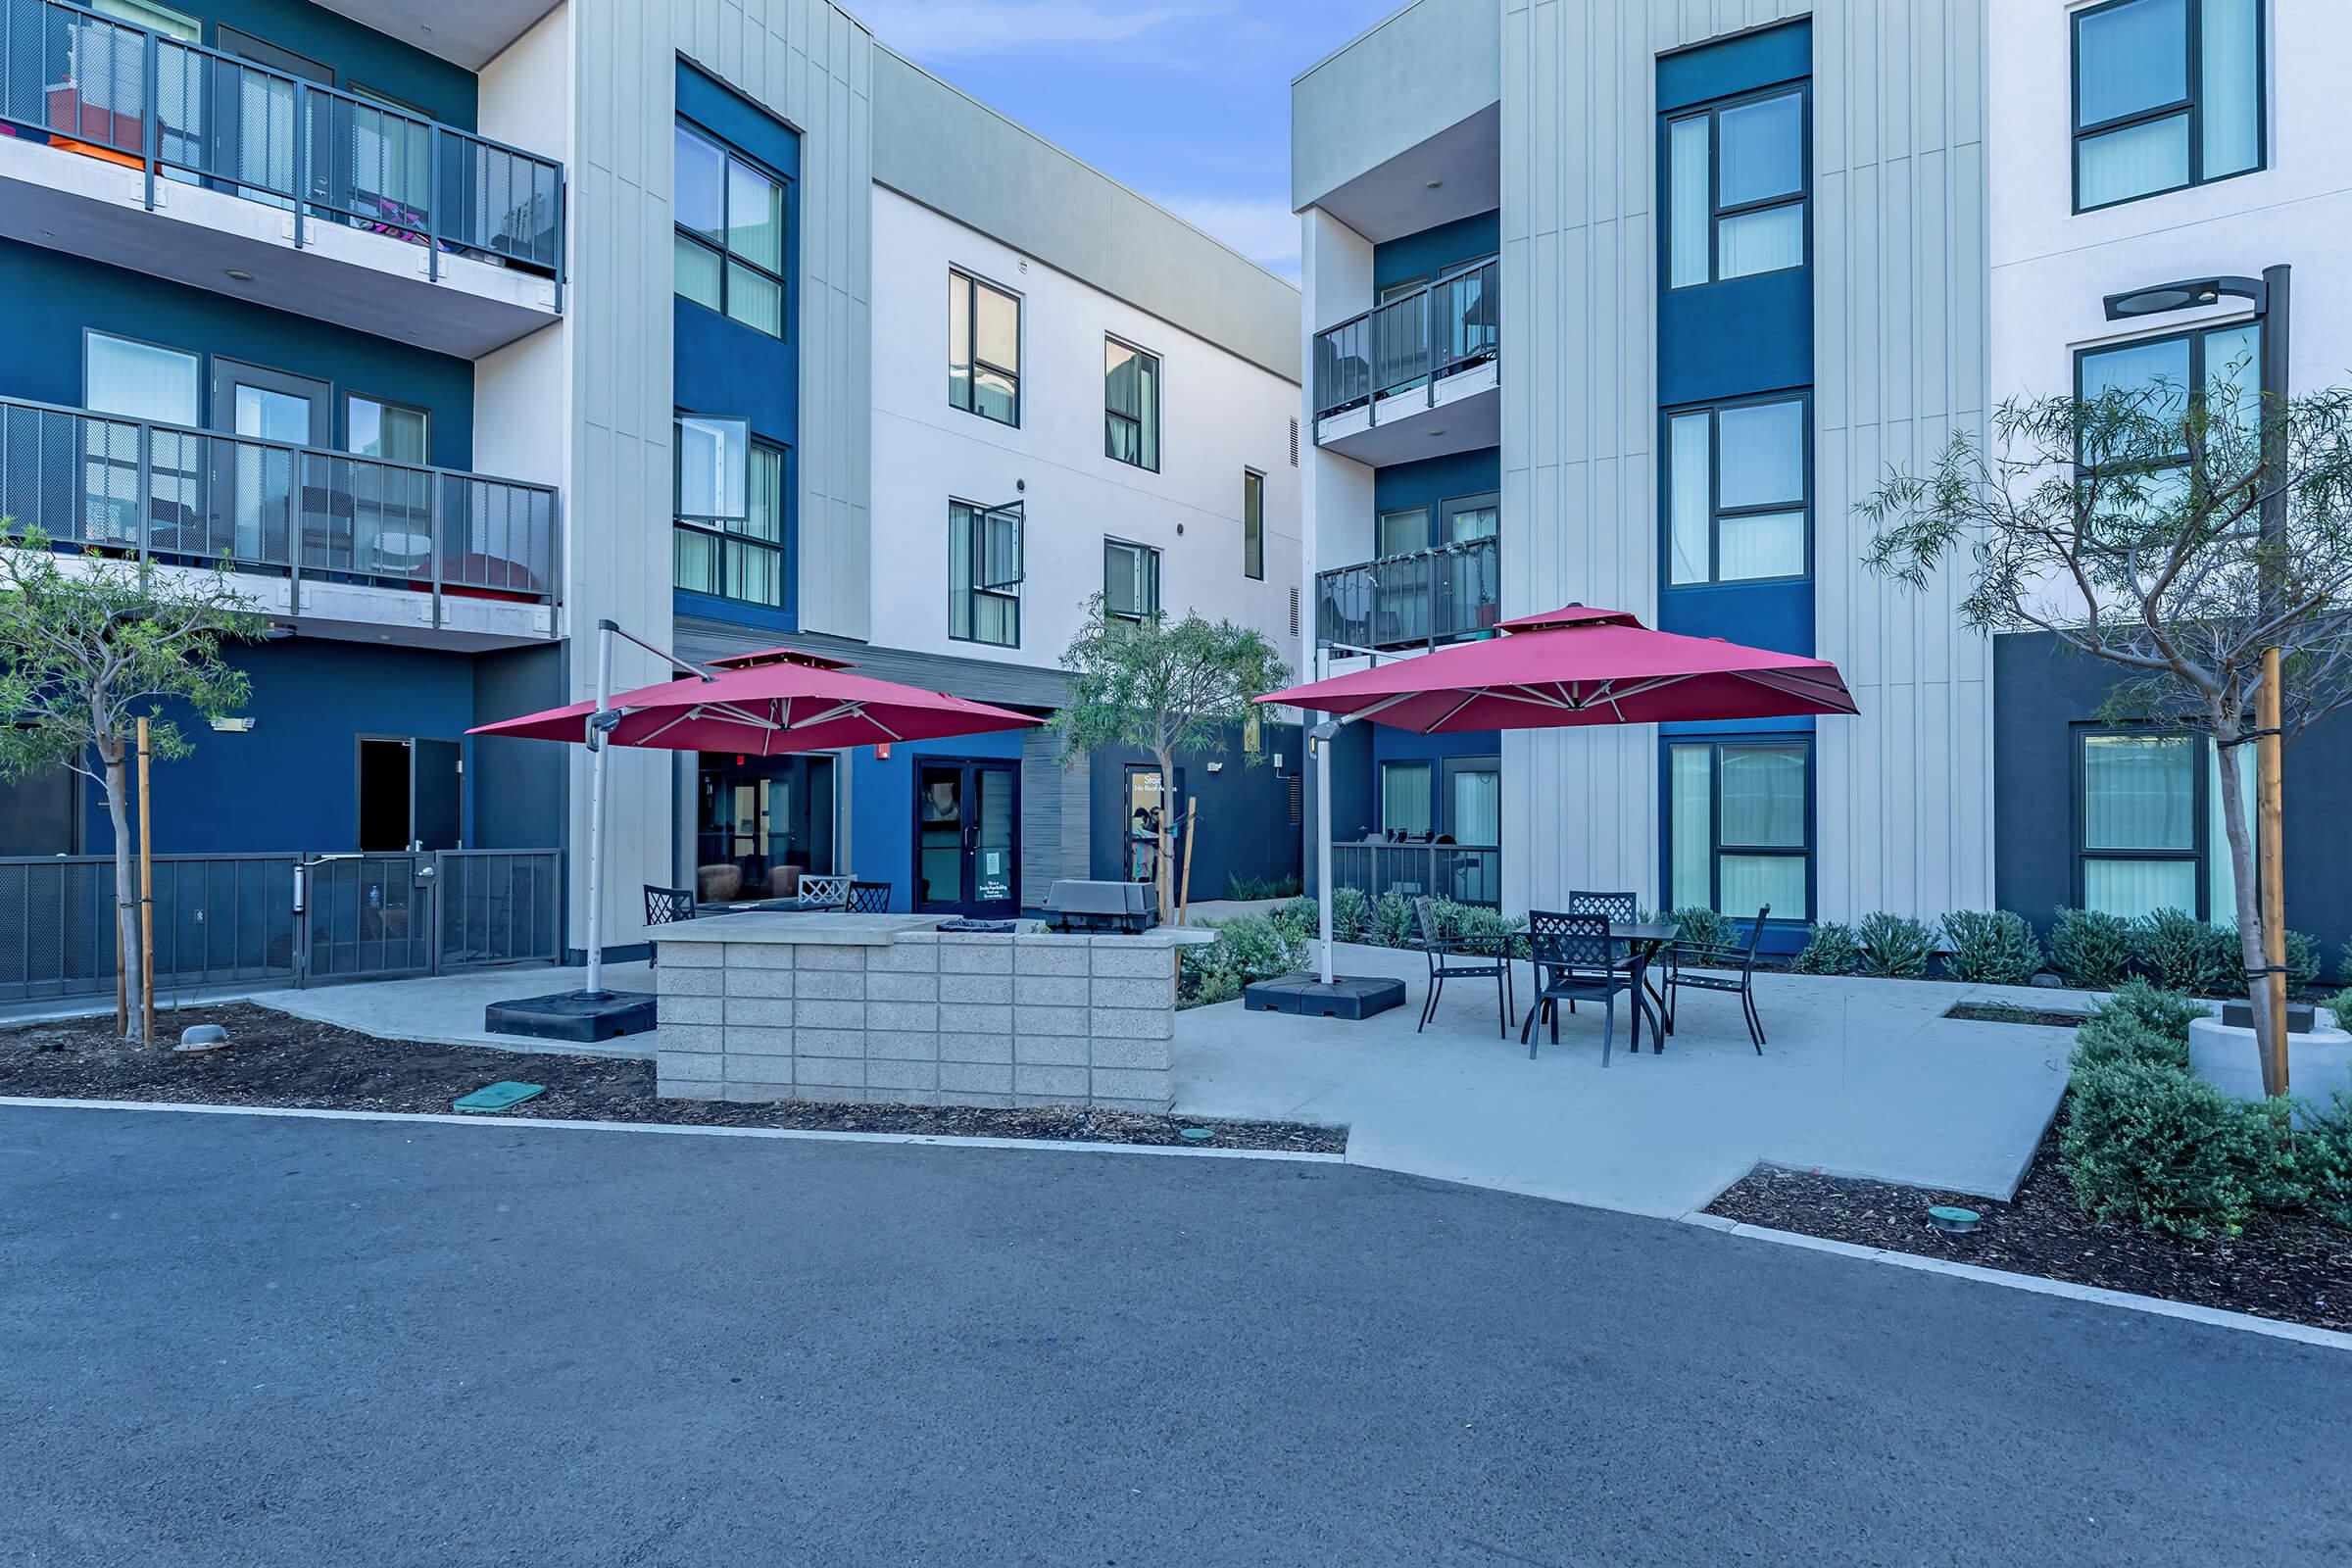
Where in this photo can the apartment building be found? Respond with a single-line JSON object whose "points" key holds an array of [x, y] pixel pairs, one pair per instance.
{"points": [[1638, 303], [460, 329]]}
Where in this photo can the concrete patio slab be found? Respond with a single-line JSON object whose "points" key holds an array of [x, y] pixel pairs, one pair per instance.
{"points": [[447, 1010], [1858, 1077]]}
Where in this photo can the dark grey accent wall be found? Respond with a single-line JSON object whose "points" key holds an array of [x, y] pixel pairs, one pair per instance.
{"points": [[1351, 773], [517, 785], [2041, 692], [36, 813], [1245, 826]]}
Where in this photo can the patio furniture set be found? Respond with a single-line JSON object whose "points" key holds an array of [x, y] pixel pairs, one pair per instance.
{"points": [[1597, 950], [840, 893]]}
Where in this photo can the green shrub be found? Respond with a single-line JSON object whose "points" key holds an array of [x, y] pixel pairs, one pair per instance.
{"points": [[1997, 948], [2341, 1006], [2323, 1153], [2161, 1148], [1832, 947], [1252, 888], [1894, 946], [2168, 1012], [2093, 951], [1248, 948], [2302, 959], [1483, 922], [1394, 923], [1703, 926], [2118, 1036], [2184, 953], [1351, 914], [1304, 915]]}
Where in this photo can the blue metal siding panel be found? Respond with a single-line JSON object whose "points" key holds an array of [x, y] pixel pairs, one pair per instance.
{"points": [[1434, 479], [1435, 250], [358, 54], [1775, 615], [1736, 65], [1726, 340]]}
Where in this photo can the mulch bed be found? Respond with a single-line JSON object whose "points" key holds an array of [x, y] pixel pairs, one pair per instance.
{"points": [[2010, 1013], [278, 1059], [2293, 1267]]}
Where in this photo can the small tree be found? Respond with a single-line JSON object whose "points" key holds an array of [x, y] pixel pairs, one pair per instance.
{"points": [[1168, 687], [85, 643], [2129, 526]]}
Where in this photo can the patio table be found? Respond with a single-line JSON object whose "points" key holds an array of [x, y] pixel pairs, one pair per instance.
{"points": [[1643, 940]]}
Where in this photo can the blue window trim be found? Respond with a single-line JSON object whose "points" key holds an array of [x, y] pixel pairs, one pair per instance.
{"points": [[1801, 395], [2193, 82], [1713, 110], [1718, 738]]}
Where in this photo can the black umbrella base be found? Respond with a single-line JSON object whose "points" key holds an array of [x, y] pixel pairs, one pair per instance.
{"points": [[583, 1017], [1349, 996]]}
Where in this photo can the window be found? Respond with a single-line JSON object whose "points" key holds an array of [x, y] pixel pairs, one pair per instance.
{"points": [[1736, 176], [2148, 825], [1467, 517], [1401, 531], [984, 350], [1739, 813], [1130, 405], [1253, 523], [1407, 804], [1735, 491], [1473, 801], [375, 429], [731, 233], [2168, 93], [731, 501], [1130, 579], [156, 18], [984, 573], [139, 380], [2222, 365]]}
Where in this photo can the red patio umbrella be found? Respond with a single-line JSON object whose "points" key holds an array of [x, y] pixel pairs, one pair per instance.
{"points": [[773, 701], [1569, 667]]}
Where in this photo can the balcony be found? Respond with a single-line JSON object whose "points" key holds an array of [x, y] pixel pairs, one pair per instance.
{"points": [[316, 537], [1465, 873], [1415, 377], [1417, 600], [184, 163]]}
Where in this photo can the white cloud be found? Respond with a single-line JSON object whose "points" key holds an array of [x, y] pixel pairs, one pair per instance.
{"points": [[968, 28], [1265, 230]]}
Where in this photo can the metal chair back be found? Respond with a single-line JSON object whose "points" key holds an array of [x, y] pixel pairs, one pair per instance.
{"points": [[1425, 910], [1755, 940], [668, 905], [1621, 906], [1561, 941], [869, 898]]}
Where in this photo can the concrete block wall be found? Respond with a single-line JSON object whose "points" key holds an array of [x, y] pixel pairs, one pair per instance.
{"points": [[927, 1019]]}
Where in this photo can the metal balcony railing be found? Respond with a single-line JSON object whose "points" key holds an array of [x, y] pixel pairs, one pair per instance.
{"points": [[1415, 341], [1421, 599], [183, 113], [167, 492], [1466, 873]]}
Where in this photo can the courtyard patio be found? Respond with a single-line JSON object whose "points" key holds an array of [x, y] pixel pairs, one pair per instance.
{"points": [[1859, 1077]]}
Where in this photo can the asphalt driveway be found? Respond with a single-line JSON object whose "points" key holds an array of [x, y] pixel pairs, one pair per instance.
{"points": [[229, 1339]]}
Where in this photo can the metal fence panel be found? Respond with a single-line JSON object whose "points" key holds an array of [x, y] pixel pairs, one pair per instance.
{"points": [[499, 906]]}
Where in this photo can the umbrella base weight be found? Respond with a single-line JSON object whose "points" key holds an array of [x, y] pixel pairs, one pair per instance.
{"points": [[576, 1015], [1349, 996]]}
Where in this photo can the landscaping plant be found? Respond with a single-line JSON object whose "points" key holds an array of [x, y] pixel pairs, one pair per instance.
{"points": [[2302, 959], [2156, 1146], [1895, 946], [1702, 927], [2137, 527], [2092, 949], [88, 644], [2182, 951], [1991, 949], [1394, 923], [1832, 947], [1351, 914], [1248, 948]]}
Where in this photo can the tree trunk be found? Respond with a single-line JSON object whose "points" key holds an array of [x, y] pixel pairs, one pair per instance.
{"points": [[126, 897], [2251, 946], [1167, 809]]}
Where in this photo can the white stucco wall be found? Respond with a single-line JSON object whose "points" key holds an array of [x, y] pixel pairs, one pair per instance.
{"points": [[1219, 414]]}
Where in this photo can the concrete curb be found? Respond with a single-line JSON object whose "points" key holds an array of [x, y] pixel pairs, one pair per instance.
{"points": [[805, 1134], [2156, 1305]]}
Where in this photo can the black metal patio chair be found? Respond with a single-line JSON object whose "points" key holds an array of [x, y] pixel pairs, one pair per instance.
{"points": [[1618, 907], [1739, 981], [665, 907], [1475, 956], [869, 898], [1577, 960]]}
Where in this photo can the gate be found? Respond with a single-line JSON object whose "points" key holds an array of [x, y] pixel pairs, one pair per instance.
{"points": [[267, 920]]}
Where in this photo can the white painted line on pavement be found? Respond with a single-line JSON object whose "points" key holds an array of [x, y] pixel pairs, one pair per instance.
{"points": [[2302, 1332], [459, 1119]]}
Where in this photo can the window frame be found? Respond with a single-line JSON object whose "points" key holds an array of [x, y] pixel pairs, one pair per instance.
{"points": [[1253, 530], [1426, 768], [964, 579], [2200, 809], [1717, 849], [2194, 336], [1712, 110], [1716, 511], [351, 397], [1151, 552], [729, 153], [1451, 767], [2194, 105], [723, 532], [199, 360], [1158, 424], [972, 283]]}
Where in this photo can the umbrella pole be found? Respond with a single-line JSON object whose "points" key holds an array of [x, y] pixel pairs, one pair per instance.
{"points": [[598, 745], [1324, 733]]}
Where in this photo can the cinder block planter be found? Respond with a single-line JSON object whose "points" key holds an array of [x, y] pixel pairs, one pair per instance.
{"points": [[2227, 1056], [889, 1008]]}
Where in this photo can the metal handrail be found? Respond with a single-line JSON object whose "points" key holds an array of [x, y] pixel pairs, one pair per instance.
{"points": [[179, 110], [1420, 598], [1415, 340], [144, 487]]}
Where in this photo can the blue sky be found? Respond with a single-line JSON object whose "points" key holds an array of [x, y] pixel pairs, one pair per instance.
{"points": [[1187, 101]]}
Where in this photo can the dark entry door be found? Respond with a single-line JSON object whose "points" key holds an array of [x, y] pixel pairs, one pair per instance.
{"points": [[435, 821], [967, 837]]}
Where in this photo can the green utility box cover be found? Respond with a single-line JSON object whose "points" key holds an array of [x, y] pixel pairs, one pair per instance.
{"points": [[499, 1097]]}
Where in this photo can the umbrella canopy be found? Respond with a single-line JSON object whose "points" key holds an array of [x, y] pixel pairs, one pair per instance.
{"points": [[1575, 667], [771, 703]]}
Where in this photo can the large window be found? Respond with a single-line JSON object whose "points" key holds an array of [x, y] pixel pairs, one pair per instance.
{"points": [[1130, 403], [2221, 365], [731, 501], [1740, 815], [984, 350], [1736, 501], [1736, 176], [1408, 804], [984, 573], [2168, 93], [2148, 825], [1253, 523], [375, 428], [1130, 579], [731, 233]]}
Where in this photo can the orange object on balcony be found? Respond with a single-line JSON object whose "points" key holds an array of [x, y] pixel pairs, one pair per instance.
{"points": [[95, 131]]}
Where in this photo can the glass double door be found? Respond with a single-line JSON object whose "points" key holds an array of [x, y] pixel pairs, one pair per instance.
{"points": [[967, 837]]}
